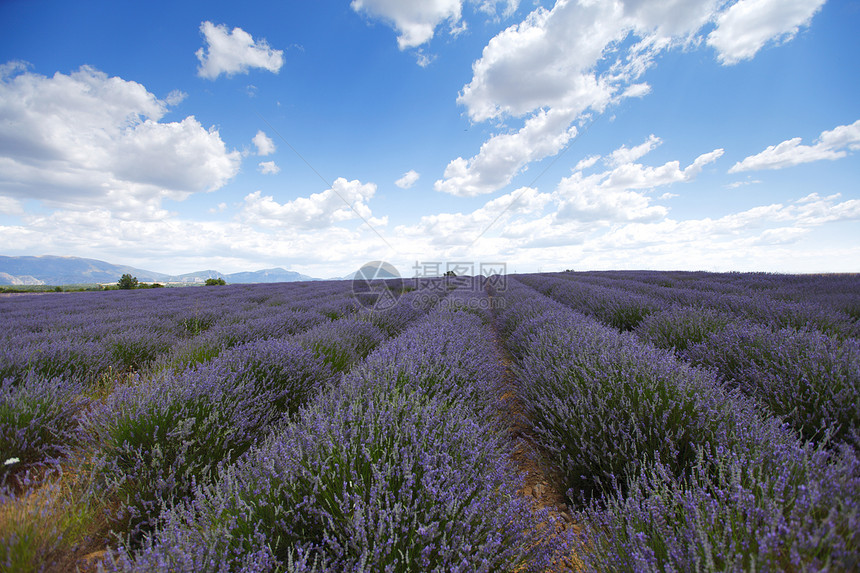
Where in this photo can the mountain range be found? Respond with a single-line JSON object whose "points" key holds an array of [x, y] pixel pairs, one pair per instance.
{"points": [[54, 270]]}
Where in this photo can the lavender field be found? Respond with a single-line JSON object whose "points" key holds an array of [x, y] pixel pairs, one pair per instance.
{"points": [[600, 421]]}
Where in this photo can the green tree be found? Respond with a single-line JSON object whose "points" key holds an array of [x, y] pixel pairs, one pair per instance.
{"points": [[214, 282], [127, 282]]}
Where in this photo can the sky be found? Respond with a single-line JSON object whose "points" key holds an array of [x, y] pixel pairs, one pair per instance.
{"points": [[528, 136]]}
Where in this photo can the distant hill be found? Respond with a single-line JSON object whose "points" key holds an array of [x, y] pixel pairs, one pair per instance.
{"points": [[54, 270]]}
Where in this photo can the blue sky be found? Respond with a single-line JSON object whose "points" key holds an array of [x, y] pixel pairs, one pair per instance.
{"points": [[317, 136]]}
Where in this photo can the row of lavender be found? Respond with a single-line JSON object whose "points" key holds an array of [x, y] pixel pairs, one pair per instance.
{"points": [[669, 469], [83, 336], [211, 393], [799, 359], [250, 445], [59, 353], [839, 291], [830, 303], [399, 465]]}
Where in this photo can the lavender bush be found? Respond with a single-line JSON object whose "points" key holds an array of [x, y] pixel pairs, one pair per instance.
{"points": [[809, 378], [447, 354], [286, 373], [800, 514], [619, 309], [342, 343], [39, 422], [603, 405], [209, 344], [780, 301], [159, 436], [687, 475], [363, 481], [401, 468], [680, 326], [80, 360], [284, 428]]}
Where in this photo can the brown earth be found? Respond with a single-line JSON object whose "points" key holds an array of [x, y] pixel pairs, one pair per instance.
{"points": [[543, 487]]}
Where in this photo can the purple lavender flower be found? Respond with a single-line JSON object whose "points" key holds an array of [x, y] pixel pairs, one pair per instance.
{"points": [[39, 422]]}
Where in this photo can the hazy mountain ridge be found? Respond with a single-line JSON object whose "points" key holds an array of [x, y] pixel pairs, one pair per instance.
{"points": [[56, 270]]}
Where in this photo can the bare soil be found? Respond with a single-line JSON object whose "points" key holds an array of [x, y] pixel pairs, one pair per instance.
{"points": [[542, 487]]}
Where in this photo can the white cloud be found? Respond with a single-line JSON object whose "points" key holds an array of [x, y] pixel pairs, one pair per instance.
{"points": [[762, 238], [580, 206], [557, 50], [234, 52], [87, 139], [175, 97], [580, 57], [459, 229], [585, 199], [264, 144], [10, 206], [833, 144], [503, 156], [616, 195], [415, 21], [171, 244], [736, 184], [408, 180], [624, 155], [815, 210], [670, 18], [489, 7], [268, 168], [345, 200], [423, 59], [745, 27], [573, 55], [587, 162]]}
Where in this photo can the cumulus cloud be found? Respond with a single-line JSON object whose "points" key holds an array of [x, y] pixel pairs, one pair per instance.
{"points": [[833, 144], [557, 50], [345, 200], [581, 57], [461, 229], [264, 144], [490, 7], [504, 155], [175, 97], [617, 194], [415, 21], [87, 139], [408, 180], [587, 162], [174, 244], [579, 206], [766, 235], [234, 52], [624, 155], [268, 168], [746, 26], [814, 210]]}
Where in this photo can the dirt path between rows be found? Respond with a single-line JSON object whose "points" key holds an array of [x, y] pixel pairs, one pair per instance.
{"points": [[542, 486]]}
